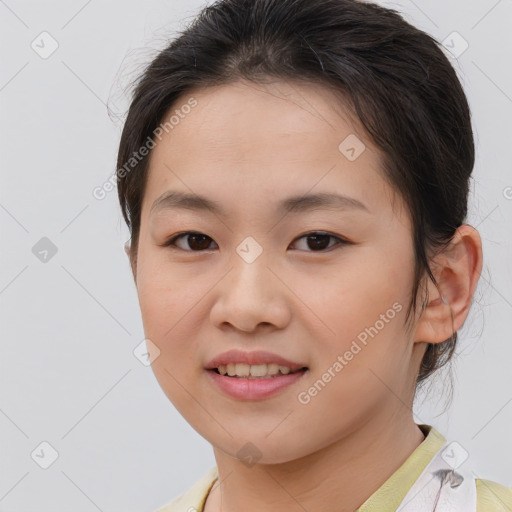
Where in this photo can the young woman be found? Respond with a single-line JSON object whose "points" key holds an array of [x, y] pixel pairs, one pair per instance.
{"points": [[295, 177]]}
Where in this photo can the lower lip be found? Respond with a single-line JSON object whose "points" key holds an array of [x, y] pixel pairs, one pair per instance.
{"points": [[254, 389]]}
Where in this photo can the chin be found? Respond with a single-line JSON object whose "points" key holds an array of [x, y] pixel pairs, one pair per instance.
{"points": [[260, 450]]}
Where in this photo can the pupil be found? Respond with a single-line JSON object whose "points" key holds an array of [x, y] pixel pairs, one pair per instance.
{"points": [[200, 237], [317, 244]]}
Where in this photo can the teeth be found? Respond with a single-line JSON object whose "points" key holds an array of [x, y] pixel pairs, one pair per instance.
{"points": [[257, 370], [242, 370], [253, 371], [273, 369]]}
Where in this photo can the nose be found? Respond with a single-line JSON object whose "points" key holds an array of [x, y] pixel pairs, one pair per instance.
{"points": [[251, 297]]}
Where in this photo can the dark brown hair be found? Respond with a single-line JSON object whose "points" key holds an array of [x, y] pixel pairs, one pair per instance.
{"points": [[394, 77]]}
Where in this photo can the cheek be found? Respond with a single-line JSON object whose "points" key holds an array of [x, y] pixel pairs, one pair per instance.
{"points": [[359, 307], [168, 317], [354, 293], [163, 294], [170, 305]]}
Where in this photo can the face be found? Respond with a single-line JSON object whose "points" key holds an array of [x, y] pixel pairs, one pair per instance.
{"points": [[324, 285]]}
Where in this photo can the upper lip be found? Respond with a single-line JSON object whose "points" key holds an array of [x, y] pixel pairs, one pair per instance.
{"points": [[251, 358]]}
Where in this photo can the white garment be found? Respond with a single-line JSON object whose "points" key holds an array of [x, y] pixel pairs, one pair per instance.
{"points": [[443, 486]]}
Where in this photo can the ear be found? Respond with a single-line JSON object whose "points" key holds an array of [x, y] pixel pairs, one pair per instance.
{"points": [[457, 270], [132, 264]]}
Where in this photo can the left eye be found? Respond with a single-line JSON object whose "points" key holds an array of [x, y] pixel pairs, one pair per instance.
{"points": [[320, 240], [316, 240]]}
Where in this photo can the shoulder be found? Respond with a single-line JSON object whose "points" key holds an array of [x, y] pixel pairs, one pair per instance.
{"points": [[192, 500], [493, 497]]}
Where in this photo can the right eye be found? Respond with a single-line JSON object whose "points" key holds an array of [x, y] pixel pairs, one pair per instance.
{"points": [[196, 242]]}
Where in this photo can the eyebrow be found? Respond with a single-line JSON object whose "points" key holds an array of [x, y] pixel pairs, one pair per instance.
{"points": [[295, 204]]}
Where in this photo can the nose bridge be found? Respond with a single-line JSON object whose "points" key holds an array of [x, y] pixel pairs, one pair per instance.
{"points": [[250, 274], [249, 250], [250, 294]]}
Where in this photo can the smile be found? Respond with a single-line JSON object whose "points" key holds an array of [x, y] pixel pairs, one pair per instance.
{"points": [[255, 371]]}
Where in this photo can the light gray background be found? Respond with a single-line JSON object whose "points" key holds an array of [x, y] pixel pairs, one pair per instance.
{"points": [[69, 326]]}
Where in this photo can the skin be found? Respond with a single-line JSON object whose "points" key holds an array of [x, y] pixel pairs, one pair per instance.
{"points": [[249, 146]]}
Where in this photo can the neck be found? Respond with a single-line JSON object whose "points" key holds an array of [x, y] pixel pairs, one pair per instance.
{"points": [[338, 478]]}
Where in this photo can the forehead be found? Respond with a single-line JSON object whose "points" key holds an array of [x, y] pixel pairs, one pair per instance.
{"points": [[248, 142], [238, 115]]}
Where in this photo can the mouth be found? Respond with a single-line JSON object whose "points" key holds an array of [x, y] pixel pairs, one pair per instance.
{"points": [[255, 382], [256, 371]]}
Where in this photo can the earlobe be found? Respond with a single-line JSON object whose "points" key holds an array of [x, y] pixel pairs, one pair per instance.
{"points": [[457, 270], [127, 248]]}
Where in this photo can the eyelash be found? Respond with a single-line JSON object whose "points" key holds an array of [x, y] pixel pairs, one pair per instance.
{"points": [[171, 242]]}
